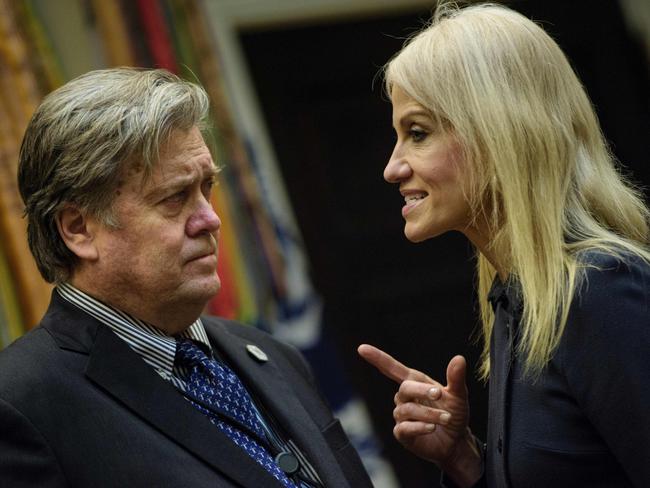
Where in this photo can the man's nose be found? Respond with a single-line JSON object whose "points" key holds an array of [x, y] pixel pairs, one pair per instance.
{"points": [[204, 220]]}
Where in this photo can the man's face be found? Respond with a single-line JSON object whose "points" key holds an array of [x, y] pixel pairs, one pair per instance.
{"points": [[160, 264]]}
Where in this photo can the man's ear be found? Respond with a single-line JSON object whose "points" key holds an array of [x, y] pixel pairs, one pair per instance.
{"points": [[77, 231]]}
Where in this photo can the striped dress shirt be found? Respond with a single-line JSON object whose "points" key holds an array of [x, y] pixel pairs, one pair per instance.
{"points": [[158, 350]]}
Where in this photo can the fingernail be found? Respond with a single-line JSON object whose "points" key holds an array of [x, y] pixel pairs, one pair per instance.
{"points": [[433, 392], [444, 418], [431, 427]]}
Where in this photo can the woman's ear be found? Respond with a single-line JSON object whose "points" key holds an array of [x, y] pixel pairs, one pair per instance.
{"points": [[77, 231]]}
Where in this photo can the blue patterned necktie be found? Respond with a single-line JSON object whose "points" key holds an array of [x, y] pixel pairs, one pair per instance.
{"points": [[215, 390]]}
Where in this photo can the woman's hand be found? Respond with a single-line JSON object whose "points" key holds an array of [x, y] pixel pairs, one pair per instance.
{"points": [[431, 420]]}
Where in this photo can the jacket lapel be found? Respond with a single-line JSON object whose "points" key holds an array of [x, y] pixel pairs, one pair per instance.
{"points": [[266, 381], [121, 373]]}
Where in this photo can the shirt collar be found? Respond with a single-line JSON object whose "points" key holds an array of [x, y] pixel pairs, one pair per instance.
{"points": [[507, 292], [154, 346]]}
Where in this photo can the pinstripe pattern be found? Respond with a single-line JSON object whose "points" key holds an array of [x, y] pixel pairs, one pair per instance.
{"points": [[158, 350]]}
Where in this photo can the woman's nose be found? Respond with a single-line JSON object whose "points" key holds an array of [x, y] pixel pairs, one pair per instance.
{"points": [[397, 168]]}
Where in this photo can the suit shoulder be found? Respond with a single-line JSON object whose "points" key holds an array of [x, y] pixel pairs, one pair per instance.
{"points": [[596, 260], [32, 362], [239, 329], [258, 337], [28, 348], [607, 274], [611, 303], [212, 321]]}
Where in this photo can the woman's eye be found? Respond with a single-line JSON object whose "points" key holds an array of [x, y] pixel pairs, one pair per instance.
{"points": [[417, 135]]}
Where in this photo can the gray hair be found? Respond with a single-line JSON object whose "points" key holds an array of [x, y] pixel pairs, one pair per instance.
{"points": [[81, 140]]}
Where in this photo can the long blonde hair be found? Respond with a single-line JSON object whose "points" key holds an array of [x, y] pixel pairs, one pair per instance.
{"points": [[539, 171]]}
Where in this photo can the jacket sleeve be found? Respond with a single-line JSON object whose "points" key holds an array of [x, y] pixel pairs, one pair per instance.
{"points": [[25, 458], [606, 359]]}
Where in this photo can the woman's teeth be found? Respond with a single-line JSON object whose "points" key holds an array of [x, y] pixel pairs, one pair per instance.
{"points": [[413, 198]]}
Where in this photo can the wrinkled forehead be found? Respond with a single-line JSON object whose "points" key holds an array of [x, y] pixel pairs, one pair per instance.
{"points": [[184, 151]]}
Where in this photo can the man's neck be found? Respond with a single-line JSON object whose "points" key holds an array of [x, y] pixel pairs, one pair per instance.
{"points": [[170, 320]]}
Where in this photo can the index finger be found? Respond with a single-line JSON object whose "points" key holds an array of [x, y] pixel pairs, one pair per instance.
{"points": [[388, 365]]}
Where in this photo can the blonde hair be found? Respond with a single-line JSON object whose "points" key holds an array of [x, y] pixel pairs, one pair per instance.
{"points": [[539, 171], [82, 138]]}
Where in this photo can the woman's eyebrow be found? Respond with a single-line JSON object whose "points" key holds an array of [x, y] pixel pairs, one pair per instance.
{"points": [[413, 113]]}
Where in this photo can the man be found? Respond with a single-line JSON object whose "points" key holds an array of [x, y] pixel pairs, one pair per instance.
{"points": [[122, 384]]}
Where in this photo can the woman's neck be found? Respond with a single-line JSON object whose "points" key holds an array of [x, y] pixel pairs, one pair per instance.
{"points": [[484, 240]]}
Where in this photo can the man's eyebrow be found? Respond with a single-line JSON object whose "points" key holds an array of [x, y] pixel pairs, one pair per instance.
{"points": [[213, 171], [179, 182]]}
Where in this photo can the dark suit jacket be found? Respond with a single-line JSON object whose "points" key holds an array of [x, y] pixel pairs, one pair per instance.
{"points": [[584, 421], [79, 408]]}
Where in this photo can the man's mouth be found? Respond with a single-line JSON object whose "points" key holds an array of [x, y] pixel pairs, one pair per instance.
{"points": [[201, 256]]}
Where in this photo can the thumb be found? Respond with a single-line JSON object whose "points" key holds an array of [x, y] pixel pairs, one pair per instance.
{"points": [[456, 373]]}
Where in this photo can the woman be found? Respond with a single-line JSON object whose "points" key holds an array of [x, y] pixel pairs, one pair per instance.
{"points": [[497, 139]]}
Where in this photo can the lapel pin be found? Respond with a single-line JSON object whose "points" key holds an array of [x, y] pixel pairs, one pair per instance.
{"points": [[257, 353]]}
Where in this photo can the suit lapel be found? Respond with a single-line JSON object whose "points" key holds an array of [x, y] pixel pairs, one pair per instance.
{"points": [[266, 381], [121, 373]]}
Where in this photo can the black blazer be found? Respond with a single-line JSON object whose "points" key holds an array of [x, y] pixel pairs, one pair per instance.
{"points": [[79, 408], [583, 422]]}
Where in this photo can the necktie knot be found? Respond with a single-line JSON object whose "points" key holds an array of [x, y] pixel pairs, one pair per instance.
{"points": [[189, 354]]}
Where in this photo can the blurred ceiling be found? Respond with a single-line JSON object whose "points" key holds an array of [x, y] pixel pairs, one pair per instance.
{"points": [[263, 13]]}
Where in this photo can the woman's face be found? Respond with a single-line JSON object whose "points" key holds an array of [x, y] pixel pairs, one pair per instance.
{"points": [[427, 165]]}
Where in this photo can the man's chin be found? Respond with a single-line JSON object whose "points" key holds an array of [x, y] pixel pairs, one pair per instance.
{"points": [[211, 289], [201, 289]]}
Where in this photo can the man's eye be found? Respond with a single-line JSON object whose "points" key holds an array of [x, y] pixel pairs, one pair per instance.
{"points": [[178, 197], [417, 135], [207, 187]]}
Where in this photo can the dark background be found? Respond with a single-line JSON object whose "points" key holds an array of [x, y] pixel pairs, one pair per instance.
{"points": [[331, 127]]}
